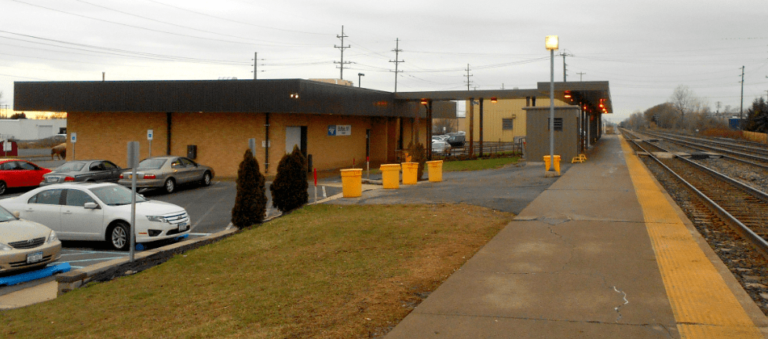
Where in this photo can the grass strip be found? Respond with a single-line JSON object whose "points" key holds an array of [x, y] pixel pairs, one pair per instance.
{"points": [[324, 271]]}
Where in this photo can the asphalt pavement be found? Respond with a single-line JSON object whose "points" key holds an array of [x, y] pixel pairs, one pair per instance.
{"points": [[508, 189]]}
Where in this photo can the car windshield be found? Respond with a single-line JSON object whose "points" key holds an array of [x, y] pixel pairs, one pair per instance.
{"points": [[70, 167], [5, 215], [114, 195], [152, 164]]}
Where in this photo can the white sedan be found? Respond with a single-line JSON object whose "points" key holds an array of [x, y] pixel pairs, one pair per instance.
{"points": [[99, 212], [440, 147]]}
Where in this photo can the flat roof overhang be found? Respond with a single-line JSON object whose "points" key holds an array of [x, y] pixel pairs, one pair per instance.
{"points": [[225, 96], [592, 94], [589, 93]]}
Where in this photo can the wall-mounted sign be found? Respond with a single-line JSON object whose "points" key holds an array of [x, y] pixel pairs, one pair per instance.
{"points": [[339, 130]]}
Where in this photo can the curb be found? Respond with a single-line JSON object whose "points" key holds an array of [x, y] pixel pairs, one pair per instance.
{"points": [[116, 268]]}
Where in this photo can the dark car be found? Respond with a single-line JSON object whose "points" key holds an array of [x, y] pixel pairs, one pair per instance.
{"points": [[84, 170], [456, 140]]}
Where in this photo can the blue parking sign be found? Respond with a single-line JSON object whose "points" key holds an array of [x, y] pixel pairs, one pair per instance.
{"points": [[331, 130]]}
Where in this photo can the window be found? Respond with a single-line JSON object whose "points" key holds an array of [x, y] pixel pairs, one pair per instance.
{"points": [[78, 198], [533, 101], [110, 166], [187, 162], [97, 166], [49, 197], [506, 124], [176, 163], [558, 124], [527, 101], [26, 166]]}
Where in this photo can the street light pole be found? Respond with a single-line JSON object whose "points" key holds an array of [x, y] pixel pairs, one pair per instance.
{"points": [[359, 75], [551, 43]]}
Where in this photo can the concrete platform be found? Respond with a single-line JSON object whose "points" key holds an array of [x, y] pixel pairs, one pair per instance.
{"points": [[602, 253]]}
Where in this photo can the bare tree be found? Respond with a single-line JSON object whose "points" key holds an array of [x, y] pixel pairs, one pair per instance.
{"points": [[684, 101]]}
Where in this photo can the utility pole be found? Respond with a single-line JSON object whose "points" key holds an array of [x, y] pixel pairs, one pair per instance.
{"points": [[741, 109], [342, 48], [397, 60], [565, 54], [580, 75], [468, 76], [255, 65]]}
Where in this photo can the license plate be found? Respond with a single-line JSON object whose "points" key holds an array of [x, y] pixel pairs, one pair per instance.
{"points": [[183, 227], [34, 257], [50, 179]]}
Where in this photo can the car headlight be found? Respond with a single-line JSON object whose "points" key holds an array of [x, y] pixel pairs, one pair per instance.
{"points": [[52, 237], [4, 247], [156, 218]]}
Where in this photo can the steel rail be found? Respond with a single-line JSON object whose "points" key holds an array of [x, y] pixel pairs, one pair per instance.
{"points": [[760, 244], [709, 148]]}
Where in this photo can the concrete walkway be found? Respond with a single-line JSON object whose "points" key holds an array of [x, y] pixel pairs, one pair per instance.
{"points": [[586, 259]]}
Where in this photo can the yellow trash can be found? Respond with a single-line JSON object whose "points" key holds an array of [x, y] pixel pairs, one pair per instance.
{"points": [[352, 182], [435, 170], [556, 163], [410, 173], [390, 175]]}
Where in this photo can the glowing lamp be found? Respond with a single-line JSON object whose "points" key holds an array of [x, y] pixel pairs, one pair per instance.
{"points": [[494, 100], [424, 102], [551, 41]]}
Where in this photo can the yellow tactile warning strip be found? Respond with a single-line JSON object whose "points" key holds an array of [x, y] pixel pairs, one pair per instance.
{"points": [[703, 305]]}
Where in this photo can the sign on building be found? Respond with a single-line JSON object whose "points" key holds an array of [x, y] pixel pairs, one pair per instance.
{"points": [[339, 130]]}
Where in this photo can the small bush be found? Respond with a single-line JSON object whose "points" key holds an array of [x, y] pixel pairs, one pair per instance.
{"points": [[289, 189], [251, 198], [418, 154]]}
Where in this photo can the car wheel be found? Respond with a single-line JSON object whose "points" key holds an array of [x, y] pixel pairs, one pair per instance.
{"points": [[169, 186], [118, 236], [206, 179], [3, 187]]}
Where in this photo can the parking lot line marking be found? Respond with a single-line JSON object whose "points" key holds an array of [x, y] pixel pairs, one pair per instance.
{"points": [[208, 211], [229, 226]]}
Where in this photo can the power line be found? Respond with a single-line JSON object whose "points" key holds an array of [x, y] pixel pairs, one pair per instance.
{"points": [[581, 74], [231, 20], [149, 29], [397, 60], [342, 48], [86, 47]]}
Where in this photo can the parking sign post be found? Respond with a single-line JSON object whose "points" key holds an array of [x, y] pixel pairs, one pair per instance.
{"points": [[73, 140], [133, 162], [150, 136]]}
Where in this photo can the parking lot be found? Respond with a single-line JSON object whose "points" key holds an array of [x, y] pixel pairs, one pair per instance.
{"points": [[209, 209]]}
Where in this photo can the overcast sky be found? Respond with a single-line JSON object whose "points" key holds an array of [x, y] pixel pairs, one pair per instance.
{"points": [[643, 48]]}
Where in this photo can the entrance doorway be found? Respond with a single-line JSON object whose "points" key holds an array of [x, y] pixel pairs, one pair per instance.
{"points": [[296, 136]]}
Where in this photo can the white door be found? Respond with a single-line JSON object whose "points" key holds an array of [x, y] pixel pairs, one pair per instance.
{"points": [[44, 208], [292, 138], [78, 222]]}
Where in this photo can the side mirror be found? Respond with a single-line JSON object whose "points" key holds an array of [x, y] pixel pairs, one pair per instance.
{"points": [[17, 214], [90, 206]]}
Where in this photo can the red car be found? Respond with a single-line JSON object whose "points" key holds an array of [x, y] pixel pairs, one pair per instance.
{"points": [[19, 173]]}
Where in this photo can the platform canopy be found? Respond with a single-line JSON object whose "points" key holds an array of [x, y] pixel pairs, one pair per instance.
{"points": [[591, 94]]}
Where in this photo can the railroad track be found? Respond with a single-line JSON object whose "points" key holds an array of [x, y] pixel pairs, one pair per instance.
{"points": [[757, 159], [743, 208]]}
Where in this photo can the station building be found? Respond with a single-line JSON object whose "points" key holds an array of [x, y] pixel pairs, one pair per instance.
{"points": [[212, 121]]}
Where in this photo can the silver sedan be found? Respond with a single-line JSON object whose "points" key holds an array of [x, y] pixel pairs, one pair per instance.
{"points": [[167, 172]]}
